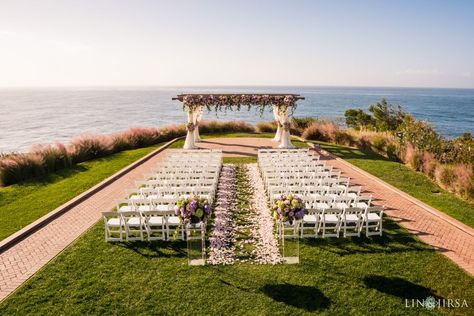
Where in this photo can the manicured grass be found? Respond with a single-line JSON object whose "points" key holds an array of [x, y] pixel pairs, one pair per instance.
{"points": [[336, 276], [21, 204], [359, 276], [414, 183]]}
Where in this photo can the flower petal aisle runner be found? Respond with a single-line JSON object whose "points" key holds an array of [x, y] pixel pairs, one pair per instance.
{"points": [[243, 227], [222, 239], [266, 249]]}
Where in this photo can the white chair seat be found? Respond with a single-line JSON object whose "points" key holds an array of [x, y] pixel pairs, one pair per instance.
{"points": [[341, 205], [322, 206], [173, 220], [330, 218], [113, 222], [310, 219], [352, 218], [162, 207], [361, 205], [125, 208], [156, 220], [372, 217], [135, 221], [168, 196], [144, 208]]}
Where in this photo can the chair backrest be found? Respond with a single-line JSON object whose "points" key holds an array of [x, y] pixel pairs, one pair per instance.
{"points": [[335, 211], [353, 210], [130, 214]]}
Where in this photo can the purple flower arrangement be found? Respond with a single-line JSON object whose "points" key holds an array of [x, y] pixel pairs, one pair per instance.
{"points": [[193, 209], [244, 99], [288, 208]]}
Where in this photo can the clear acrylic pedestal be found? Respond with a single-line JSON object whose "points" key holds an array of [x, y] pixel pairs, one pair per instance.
{"points": [[289, 241], [195, 237]]}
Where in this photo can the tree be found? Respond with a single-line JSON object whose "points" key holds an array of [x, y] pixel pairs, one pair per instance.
{"points": [[358, 118], [387, 117]]}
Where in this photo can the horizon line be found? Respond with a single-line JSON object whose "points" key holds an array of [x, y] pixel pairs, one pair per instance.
{"points": [[227, 86]]}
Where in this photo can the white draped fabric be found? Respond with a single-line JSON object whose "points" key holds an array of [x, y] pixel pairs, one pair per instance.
{"points": [[197, 120], [189, 143], [277, 137], [285, 133]]}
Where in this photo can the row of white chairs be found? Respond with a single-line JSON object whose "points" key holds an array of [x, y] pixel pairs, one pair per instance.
{"points": [[148, 210], [329, 222], [327, 195]]}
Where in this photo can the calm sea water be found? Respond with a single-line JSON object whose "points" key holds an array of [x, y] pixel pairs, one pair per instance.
{"points": [[32, 116]]}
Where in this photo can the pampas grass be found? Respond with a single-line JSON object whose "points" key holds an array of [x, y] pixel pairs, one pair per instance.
{"points": [[267, 127], [42, 159]]}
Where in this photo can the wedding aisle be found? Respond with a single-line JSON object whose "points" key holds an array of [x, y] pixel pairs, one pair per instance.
{"points": [[222, 238], [243, 229]]}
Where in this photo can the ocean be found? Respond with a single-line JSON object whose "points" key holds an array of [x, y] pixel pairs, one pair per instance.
{"points": [[46, 115]]}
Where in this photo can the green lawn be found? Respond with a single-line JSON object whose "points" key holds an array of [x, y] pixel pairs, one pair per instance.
{"points": [[21, 204], [414, 183], [336, 276]]}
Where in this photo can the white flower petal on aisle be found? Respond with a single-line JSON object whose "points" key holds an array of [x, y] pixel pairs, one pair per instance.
{"points": [[266, 249]]}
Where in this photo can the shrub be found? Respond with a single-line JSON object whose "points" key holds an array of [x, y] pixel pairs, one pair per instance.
{"points": [[17, 167], [358, 119], [87, 147], [267, 127], [387, 117], [312, 133], [393, 151], [209, 127], [444, 175], [421, 135], [428, 164], [379, 143], [463, 179], [321, 130], [343, 138], [299, 124], [413, 157]]}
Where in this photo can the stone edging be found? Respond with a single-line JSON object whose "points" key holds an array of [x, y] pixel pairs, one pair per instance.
{"points": [[49, 217], [461, 226]]}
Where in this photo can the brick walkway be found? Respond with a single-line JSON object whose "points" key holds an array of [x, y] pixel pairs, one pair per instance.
{"points": [[447, 235], [20, 262]]}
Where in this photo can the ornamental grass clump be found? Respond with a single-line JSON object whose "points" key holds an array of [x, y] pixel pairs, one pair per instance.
{"points": [[136, 137], [53, 157], [87, 147], [267, 127], [207, 127], [19, 167]]}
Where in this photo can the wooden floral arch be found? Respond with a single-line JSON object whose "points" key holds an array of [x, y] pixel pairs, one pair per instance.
{"points": [[282, 105]]}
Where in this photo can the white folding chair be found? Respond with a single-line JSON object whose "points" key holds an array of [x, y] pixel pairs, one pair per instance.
{"points": [[351, 220], [172, 222], [133, 223], [310, 223], [113, 226], [372, 220], [155, 225], [330, 222]]}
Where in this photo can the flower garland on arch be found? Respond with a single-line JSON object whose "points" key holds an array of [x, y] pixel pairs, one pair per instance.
{"points": [[228, 102]]}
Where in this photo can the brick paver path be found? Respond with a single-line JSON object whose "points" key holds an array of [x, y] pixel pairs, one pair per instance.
{"points": [[447, 235], [20, 262]]}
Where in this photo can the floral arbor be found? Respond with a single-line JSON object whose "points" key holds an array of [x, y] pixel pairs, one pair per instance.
{"points": [[282, 105]]}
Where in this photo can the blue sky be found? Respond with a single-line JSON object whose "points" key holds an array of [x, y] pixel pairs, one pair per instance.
{"points": [[133, 43]]}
